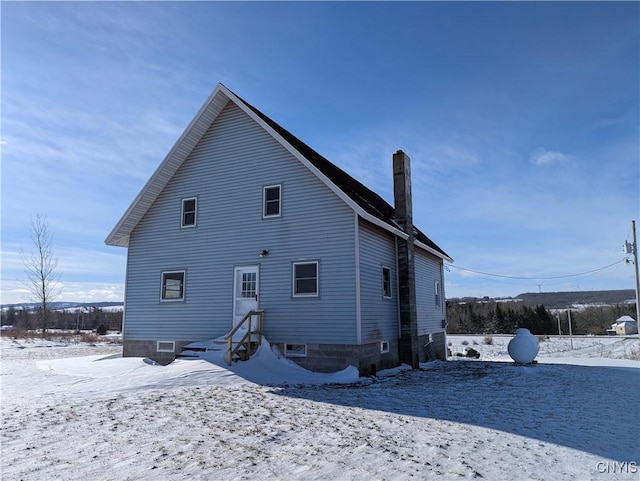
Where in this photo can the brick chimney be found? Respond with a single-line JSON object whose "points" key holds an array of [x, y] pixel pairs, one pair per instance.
{"points": [[409, 346]]}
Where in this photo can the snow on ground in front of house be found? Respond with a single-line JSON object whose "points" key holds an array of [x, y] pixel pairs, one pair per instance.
{"points": [[83, 412], [583, 350]]}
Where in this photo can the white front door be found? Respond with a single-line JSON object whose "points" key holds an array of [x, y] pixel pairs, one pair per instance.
{"points": [[245, 292]]}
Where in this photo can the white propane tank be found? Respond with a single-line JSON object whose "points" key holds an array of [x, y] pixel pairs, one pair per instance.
{"points": [[523, 348]]}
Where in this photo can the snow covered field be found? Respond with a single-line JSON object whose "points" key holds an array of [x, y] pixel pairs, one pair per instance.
{"points": [[576, 350], [83, 412]]}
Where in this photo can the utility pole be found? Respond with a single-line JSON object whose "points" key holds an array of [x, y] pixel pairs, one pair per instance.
{"points": [[570, 331], [633, 249]]}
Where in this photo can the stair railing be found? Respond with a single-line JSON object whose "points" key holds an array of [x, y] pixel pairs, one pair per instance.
{"points": [[253, 328]]}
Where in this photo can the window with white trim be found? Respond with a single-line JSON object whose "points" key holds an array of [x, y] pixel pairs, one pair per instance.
{"points": [[295, 350], [172, 286], [189, 208], [384, 346], [271, 201], [305, 279], [386, 282], [437, 294]]}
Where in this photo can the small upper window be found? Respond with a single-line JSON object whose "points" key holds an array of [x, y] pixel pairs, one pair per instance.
{"points": [[271, 195], [305, 279], [386, 282], [172, 286], [189, 207]]}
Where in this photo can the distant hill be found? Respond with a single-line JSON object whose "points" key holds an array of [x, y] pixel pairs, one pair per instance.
{"points": [[551, 300], [560, 300], [557, 300], [63, 305]]}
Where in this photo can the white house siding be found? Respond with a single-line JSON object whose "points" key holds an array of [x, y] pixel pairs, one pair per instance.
{"points": [[379, 315], [428, 271], [227, 172]]}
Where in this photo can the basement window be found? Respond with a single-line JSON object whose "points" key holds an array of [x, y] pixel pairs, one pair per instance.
{"points": [[295, 350], [166, 346], [384, 347]]}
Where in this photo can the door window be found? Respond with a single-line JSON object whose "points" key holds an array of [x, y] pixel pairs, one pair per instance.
{"points": [[249, 284]]}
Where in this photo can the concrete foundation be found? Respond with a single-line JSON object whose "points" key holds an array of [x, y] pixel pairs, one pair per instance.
{"points": [[335, 357], [320, 357], [149, 349]]}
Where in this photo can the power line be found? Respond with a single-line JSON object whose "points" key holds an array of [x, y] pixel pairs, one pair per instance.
{"points": [[533, 278]]}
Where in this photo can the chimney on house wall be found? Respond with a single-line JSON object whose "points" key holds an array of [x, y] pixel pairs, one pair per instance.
{"points": [[409, 346]]}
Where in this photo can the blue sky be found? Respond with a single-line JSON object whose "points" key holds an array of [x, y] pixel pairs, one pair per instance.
{"points": [[521, 121]]}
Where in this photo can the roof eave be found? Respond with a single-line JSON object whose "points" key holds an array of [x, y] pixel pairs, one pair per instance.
{"points": [[433, 251]]}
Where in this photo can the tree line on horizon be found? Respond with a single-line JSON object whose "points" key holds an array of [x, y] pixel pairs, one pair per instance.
{"points": [[91, 319], [489, 317], [480, 317]]}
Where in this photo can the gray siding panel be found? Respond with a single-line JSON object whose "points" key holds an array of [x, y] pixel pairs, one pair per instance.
{"points": [[428, 271], [379, 315], [227, 171]]}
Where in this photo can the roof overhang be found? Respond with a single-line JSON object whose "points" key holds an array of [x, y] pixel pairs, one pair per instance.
{"points": [[424, 246]]}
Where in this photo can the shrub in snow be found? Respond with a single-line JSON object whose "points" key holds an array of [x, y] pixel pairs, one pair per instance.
{"points": [[488, 340], [523, 348], [101, 330]]}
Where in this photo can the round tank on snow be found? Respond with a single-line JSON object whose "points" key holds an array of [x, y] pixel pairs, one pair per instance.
{"points": [[523, 348]]}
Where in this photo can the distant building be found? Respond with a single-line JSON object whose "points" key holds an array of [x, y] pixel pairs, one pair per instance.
{"points": [[623, 326]]}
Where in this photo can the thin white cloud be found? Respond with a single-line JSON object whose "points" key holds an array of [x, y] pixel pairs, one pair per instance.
{"points": [[541, 156], [93, 292], [368, 155], [466, 273], [72, 261], [15, 292], [442, 159]]}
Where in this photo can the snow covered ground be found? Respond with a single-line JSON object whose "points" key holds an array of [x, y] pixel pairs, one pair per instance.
{"points": [[578, 348], [83, 412]]}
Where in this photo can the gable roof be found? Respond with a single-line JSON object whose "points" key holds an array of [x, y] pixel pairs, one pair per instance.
{"points": [[366, 203]]}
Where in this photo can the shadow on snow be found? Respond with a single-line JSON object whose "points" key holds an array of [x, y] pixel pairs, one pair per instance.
{"points": [[591, 409]]}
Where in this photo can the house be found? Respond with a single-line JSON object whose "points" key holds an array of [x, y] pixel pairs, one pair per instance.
{"points": [[242, 216], [623, 326]]}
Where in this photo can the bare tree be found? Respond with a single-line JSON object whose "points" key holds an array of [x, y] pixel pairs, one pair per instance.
{"points": [[40, 269]]}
